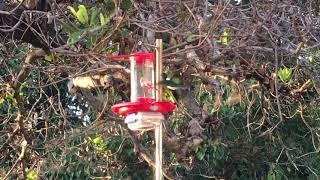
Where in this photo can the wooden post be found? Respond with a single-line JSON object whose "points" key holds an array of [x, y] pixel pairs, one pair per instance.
{"points": [[158, 91], [158, 70]]}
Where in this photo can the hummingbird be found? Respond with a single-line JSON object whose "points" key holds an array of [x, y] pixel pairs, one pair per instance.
{"points": [[171, 84], [172, 91]]}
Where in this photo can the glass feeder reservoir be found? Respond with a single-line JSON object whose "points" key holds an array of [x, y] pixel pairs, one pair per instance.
{"points": [[142, 77], [143, 112]]}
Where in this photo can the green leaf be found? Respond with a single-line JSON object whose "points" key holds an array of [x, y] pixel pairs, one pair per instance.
{"points": [[72, 10], [103, 20], [32, 175], [97, 140], [82, 14], [276, 173], [190, 38], [285, 74], [90, 40], [2, 100], [74, 36], [93, 17], [201, 152], [271, 175], [48, 57], [167, 95], [223, 39], [12, 100], [219, 152], [98, 143]]}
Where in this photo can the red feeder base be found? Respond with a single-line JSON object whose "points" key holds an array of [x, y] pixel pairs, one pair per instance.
{"points": [[143, 105]]}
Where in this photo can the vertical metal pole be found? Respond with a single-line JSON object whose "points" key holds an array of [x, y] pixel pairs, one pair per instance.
{"points": [[158, 130]]}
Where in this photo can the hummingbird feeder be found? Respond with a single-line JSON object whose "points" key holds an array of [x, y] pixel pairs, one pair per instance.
{"points": [[146, 110], [143, 111]]}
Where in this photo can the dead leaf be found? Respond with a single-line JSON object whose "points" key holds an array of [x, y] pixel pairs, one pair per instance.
{"points": [[235, 96], [90, 82], [204, 112], [87, 82], [191, 144], [217, 102], [316, 84], [194, 128], [194, 58]]}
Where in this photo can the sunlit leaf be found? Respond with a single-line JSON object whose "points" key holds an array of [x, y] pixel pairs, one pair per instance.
{"points": [[82, 14], [285, 74], [98, 143], [97, 140], [32, 175], [72, 10], [2, 100], [103, 20], [223, 39], [84, 82], [167, 95], [10, 98], [23, 85]]}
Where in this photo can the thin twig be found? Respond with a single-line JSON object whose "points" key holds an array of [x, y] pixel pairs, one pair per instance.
{"points": [[24, 145], [13, 10]]}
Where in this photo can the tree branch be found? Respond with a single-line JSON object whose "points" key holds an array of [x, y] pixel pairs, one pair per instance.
{"points": [[13, 10]]}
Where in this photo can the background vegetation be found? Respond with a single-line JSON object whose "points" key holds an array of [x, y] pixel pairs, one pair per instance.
{"points": [[250, 109]]}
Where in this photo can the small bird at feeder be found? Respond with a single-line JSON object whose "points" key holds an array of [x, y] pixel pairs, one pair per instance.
{"points": [[172, 91], [170, 84]]}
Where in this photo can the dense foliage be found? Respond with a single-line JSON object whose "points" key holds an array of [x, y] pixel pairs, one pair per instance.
{"points": [[246, 76]]}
